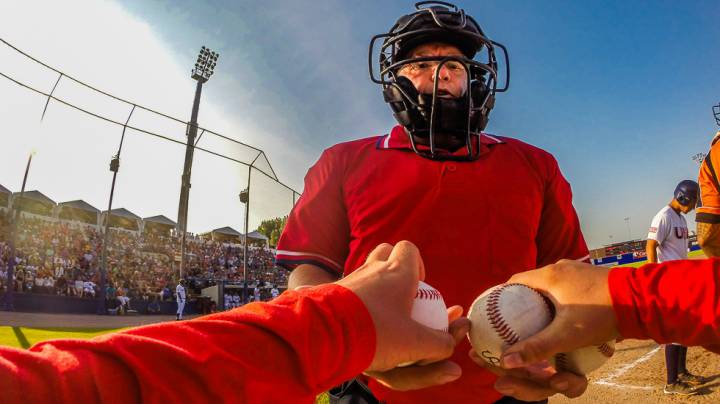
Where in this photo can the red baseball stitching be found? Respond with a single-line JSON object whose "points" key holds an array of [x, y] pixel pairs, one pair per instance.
{"points": [[561, 361], [606, 350], [497, 321], [428, 294]]}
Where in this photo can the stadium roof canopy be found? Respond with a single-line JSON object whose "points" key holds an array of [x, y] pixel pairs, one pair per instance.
{"points": [[257, 235], [34, 202], [78, 210], [228, 231], [4, 196], [123, 218], [160, 219], [159, 224], [124, 213], [79, 204], [35, 196]]}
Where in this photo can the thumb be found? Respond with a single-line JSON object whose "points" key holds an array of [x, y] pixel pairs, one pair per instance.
{"points": [[429, 345], [551, 340]]}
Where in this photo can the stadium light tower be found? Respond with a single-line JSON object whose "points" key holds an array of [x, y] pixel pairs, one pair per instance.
{"points": [[204, 69]]}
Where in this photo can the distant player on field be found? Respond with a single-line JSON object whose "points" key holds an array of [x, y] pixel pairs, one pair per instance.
{"points": [[667, 241], [180, 296]]}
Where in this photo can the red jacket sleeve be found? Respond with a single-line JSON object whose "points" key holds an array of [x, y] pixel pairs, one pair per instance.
{"points": [[287, 350], [676, 301]]}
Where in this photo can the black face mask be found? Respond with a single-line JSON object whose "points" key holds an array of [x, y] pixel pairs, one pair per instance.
{"points": [[439, 121]]}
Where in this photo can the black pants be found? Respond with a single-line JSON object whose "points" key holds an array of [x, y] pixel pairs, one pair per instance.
{"points": [[675, 361]]}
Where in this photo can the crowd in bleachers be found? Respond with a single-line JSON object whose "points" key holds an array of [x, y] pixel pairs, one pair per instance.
{"points": [[63, 258]]}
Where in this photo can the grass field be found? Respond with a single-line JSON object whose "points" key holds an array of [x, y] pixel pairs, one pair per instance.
{"points": [[697, 254], [24, 337]]}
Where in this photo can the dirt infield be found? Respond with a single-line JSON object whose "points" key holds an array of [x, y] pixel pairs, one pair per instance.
{"points": [[636, 374], [45, 320]]}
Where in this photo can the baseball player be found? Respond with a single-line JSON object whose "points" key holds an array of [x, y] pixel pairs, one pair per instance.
{"points": [[667, 241], [479, 207], [180, 296]]}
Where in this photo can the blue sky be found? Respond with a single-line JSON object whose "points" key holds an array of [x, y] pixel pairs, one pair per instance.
{"points": [[620, 92]]}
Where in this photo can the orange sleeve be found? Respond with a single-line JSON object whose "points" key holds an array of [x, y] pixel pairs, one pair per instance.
{"points": [[708, 209]]}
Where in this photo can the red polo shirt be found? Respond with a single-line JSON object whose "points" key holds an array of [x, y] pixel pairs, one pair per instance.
{"points": [[476, 223]]}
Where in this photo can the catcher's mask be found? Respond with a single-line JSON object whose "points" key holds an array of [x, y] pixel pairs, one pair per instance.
{"points": [[428, 116]]}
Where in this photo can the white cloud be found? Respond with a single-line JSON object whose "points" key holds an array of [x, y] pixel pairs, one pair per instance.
{"points": [[101, 44]]}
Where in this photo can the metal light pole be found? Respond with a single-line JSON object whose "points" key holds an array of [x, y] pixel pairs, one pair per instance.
{"points": [[245, 199], [114, 167], [204, 66], [9, 298]]}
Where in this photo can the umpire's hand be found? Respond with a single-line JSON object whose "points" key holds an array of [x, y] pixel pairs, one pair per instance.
{"points": [[387, 284]]}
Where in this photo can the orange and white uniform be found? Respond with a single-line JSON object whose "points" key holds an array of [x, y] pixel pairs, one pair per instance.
{"points": [[708, 208]]}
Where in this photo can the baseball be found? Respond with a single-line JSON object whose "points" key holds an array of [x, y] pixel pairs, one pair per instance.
{"points": [[503, 315], [429, 310], [584, 360], [506, 314]]}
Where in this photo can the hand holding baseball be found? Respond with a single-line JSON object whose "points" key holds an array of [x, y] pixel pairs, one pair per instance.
{"points": [[583, 317], [387, 284], [584, 313]]}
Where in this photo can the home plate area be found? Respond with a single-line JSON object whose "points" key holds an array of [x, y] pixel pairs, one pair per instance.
{"points": [[636, 374]]}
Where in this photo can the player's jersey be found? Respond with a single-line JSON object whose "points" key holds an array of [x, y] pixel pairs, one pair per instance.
{"points": [[475, 223], [180, 293], [670, 230], [708, 209]]}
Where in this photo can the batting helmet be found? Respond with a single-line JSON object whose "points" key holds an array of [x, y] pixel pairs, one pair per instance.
{"points": [[427, 115], [686, 192]]}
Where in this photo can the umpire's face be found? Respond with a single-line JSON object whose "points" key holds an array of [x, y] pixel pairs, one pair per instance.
{"points": [[452, 77]]}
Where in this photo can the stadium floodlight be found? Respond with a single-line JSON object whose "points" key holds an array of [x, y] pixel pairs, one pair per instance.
{"points": [[205, 65], [204, 68], [716, 113]]}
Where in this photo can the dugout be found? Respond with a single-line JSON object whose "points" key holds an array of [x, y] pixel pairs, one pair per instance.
{"points": [[5, 195], [122, 218], [34, 202], [78, 211], [158, 224]]}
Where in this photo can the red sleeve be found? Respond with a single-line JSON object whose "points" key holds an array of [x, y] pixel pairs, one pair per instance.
{"points": [[676, 301], [287, 350], [317, 231], [559, 235]]}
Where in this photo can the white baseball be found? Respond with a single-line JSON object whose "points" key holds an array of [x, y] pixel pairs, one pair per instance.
{"points": [[429, 310], [506, 314], [584, 360], [503, 315]]}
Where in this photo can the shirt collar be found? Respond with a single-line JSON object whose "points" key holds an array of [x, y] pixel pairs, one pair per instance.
{"points": [[398, 138]]}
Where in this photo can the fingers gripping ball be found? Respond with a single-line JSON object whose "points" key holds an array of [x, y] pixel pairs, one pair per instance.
{"points": [[429, 310], [506, 314], [503, 315]]}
